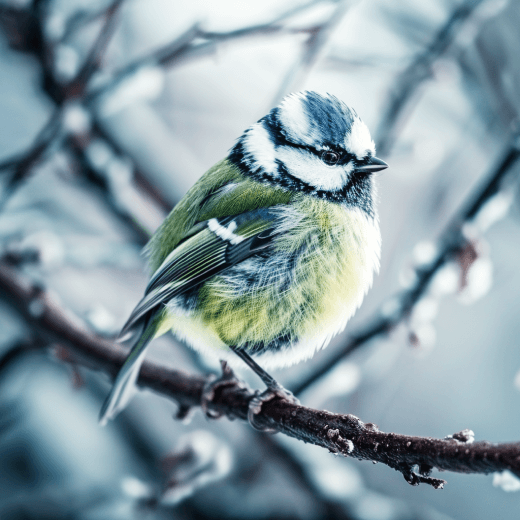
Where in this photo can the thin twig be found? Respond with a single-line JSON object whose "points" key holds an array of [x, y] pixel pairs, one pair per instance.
{"points": [[403, 93], [17, 351], [10, 163], [24, 164], [311, 52], [95, 55], [188, 46]]}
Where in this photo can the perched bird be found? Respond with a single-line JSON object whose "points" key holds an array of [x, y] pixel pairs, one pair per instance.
{"points": [[271, 251]]}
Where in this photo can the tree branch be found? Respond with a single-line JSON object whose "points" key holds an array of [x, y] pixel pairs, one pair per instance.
{"points": [[23, 165], [93, 61], [411, 78], [311, 52], [188, 46], [342, 434]]}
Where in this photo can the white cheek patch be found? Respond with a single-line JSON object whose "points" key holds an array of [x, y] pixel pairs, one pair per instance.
{"points": [[358, 141], [312, 170], [258, 144]]}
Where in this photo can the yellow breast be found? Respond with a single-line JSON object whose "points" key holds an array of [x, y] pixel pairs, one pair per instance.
{"points": [[333, 277], [333, 273]]}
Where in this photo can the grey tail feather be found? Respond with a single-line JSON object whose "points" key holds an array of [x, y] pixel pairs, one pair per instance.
{"points": [[124, 385]]}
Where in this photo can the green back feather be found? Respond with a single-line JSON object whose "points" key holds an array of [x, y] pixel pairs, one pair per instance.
{"points": [[204, 201]]}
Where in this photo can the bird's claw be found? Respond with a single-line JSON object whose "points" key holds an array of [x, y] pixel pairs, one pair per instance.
{"points": [[258, 400], [217, 384]]}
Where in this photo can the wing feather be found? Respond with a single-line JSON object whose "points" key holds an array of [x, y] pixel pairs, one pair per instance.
{"points": [[209, 251]]}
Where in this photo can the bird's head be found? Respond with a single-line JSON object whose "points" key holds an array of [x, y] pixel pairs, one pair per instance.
{"points": [[312, 143]]}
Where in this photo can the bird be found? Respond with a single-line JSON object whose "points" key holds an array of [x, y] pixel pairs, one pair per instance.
{"points": [[271, 251]]}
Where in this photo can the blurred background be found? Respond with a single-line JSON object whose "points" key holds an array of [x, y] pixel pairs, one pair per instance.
{"points": [[108, 114]]}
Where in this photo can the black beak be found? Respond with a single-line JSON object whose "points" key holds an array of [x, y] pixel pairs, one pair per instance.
{"points": [[373, 165]]}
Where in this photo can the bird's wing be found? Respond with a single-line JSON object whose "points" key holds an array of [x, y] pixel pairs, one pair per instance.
{"points": [[210, 230], [221, 192], [216, 245]]}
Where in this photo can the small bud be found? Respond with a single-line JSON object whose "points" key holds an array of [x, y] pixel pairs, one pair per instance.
{"points": [[507, 481], [424, 253]]}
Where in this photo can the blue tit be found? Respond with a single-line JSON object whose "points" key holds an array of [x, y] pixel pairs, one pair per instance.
{"points": [[272, 250]]}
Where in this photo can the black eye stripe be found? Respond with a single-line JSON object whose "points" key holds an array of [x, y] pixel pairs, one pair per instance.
{"points": [[278, 138], [343, 157]]}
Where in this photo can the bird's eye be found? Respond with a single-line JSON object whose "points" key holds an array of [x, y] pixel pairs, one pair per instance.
{"points": [[330, 158]]}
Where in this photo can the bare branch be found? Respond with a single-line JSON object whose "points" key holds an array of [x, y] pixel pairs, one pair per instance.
{"points": [[451, 242], [10, 163], [140, 210], [18, 350], [406, 86], [93, 60], [342, 434], [188, 46], [312, 50], [80, 19], [23, 165]]}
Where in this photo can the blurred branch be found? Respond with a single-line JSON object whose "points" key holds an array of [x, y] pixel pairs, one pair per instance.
{"points": [[23, 165], [9, 163], [342, 434], [18, 350], [140, 208], [451, 242], [80, 19], [188, 46], [26, 22], [312, 49], [405, 90], [136, 206], [93, 60]]}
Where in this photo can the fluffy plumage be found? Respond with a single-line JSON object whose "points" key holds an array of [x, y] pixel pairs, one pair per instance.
{"points": [[273, 249]]}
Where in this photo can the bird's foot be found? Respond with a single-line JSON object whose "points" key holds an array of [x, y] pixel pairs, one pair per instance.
{"points": [[215, 385], [275, 391]]}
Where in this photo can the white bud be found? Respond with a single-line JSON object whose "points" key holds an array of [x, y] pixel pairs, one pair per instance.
{"points": [[55, 26], [507, 481], [446, 280], [101, 320], [495, 209], [135, 488], [76, 118], [391, 308], [424, 311], [424, 253], [479, 280], [98, 154], [66, 62]]}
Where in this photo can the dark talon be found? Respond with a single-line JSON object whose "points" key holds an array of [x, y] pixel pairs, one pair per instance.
{"points": [[215, 384]]}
